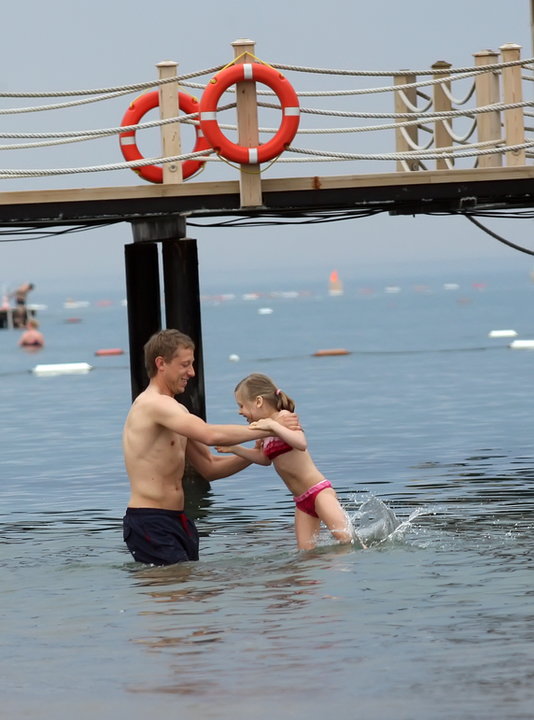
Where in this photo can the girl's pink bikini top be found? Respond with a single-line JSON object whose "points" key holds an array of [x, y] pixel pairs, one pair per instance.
{"points": [[275, 446]]}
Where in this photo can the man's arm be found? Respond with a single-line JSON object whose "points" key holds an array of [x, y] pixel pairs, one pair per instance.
{"points": [[210, 466], [166, 411]]}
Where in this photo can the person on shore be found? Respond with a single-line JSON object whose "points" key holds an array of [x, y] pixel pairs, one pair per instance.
{"points": [[32, 338], [21, 293], [159, 435], [264, 406], [20, 313]]}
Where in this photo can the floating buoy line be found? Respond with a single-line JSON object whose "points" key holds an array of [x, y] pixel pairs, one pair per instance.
{"points": [[109, 351]]}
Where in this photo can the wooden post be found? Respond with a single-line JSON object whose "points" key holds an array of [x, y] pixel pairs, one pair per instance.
{"points": [[514, 123], [487, 93], [182, 309], [405, 101], [247, 127], [144, 305], [442, 103], [170, 133]]}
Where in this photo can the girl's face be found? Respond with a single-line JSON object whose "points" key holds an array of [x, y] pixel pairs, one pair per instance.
{"points": [[250, 409]]}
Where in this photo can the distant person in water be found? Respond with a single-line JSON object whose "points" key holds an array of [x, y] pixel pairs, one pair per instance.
{"points": [[263, 405], [32, 338]]}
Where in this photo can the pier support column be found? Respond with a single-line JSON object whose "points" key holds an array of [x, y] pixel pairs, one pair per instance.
{"points": [[181, 293], [182, 310], [144, 306]]}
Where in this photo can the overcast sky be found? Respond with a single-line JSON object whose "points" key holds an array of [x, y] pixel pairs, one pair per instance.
{"points": [[69, 44]]}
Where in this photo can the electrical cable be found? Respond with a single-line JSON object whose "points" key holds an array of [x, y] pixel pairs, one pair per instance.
{"points": [[496, 236]]}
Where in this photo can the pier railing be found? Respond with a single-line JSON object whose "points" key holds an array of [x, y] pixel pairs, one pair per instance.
{"points": [[496, 109], [360, 121]]}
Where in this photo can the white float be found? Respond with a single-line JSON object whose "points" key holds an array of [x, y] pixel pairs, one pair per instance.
{"points": [[233, 357], [502, 333], [62, 369], [265, 311], [522, 345]]}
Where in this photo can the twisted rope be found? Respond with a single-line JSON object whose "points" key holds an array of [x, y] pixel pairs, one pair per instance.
{"points": [[102, 91], [395, 73], [118, 91], [423, 154], [132, 164], [455, 100], [422, 116]]}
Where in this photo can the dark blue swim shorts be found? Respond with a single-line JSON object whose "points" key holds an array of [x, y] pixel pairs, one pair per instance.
{"points": [[160, 537]]}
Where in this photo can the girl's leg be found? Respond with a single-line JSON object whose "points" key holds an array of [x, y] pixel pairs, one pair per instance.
{"points": [[332, 514], [306, 529]]}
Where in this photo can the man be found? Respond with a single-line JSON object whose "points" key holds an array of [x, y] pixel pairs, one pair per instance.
{"points": [[20, 314], [21, 293], [159, 434]]}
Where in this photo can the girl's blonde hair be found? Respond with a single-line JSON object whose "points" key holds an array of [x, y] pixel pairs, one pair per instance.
{"points": [[257, 385]]}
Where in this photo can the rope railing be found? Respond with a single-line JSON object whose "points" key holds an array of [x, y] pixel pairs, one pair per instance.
{"points": [[449, 153], [493, 119]]}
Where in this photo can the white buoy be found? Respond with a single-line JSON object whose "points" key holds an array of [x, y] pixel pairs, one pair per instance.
{"points": [[522, 345], [502, 333], [62, 369], [265, 311], [233, 357]]}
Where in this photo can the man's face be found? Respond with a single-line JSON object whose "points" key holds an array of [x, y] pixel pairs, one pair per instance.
{"points": [[179, 370]]}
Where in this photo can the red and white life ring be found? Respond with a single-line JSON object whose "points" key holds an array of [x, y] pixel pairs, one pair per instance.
{"points": [[132, 116], [244, 72]]}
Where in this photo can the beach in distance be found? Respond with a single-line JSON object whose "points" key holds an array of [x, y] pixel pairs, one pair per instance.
{"points": [[424, 428]]}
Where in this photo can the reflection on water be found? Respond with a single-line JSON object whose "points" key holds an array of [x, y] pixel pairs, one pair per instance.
{"points": [[438, 603]]}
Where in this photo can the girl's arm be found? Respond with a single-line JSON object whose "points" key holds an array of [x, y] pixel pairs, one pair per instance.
{"points": [[254, 455], [295, 438]]}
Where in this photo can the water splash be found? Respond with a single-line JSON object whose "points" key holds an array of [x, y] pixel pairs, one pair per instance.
{"points": [[374, 522]]}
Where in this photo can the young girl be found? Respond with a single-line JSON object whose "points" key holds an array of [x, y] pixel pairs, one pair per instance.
{"points": [[261, 403]]}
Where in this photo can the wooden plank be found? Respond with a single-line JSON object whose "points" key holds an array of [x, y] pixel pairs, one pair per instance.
{"points": [[231, 187]]}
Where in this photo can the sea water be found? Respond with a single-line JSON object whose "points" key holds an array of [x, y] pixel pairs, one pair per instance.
{"points": [[424, 429]]}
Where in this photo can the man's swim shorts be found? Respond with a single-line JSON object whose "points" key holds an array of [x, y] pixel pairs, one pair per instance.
{"points": [[160, 537]]}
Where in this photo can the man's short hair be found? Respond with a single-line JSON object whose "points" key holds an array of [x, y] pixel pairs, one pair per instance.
{"points": [[164, 344]]}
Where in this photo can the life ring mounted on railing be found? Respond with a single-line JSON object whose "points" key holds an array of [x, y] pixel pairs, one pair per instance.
{"points": [[139, 107], [243, 72]]}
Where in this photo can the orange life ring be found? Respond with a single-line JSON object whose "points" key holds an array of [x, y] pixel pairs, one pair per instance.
{"points": [[132, 116], [244, 72]]}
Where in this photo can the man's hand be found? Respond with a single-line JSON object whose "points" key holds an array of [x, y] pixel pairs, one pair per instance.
{"points": [[289, 420], [262, 424]]}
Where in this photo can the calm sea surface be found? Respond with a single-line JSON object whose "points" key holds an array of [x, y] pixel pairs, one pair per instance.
{"points": [[427, 423]]}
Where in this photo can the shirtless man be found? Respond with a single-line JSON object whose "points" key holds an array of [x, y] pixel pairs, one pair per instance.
{"points": [[159, 435], [21, 293], [20, 314]]}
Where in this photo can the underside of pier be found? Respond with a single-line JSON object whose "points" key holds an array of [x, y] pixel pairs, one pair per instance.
{"points": [[447, 191]]}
